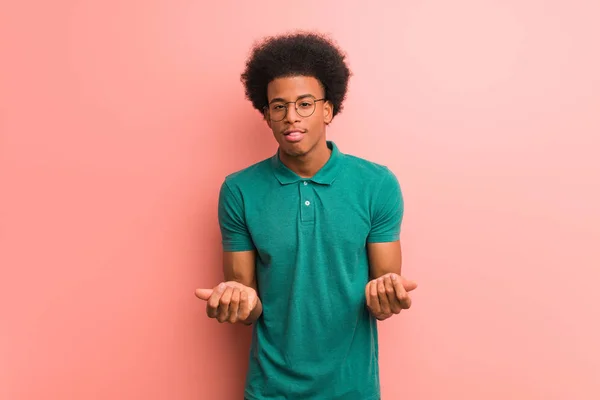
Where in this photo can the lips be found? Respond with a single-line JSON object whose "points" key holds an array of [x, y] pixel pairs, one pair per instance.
{"points": [[294, 135], [292, 131]]}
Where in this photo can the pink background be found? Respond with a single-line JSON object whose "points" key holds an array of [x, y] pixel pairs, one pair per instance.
{"points": [[119, 120]]}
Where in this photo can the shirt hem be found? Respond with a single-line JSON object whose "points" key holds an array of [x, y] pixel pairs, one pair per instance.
{"points": [[249, 396]]}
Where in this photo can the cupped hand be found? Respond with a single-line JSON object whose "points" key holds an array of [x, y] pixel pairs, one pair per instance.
{"points": [[388, 295], [229, 301]]}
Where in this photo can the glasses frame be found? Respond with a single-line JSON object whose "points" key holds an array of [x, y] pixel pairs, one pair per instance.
{"points": [[267, 109]]}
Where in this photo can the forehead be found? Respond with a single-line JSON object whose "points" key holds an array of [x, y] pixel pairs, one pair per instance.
{"points": [[290, 88]]}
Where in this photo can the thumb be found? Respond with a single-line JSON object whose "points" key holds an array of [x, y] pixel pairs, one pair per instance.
{"points": [[203, 294], [408, 284]]}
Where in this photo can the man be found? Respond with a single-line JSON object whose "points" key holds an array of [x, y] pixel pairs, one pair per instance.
{"points": [[311, 250]]}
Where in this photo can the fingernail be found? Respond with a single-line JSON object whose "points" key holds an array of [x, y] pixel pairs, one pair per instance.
{"points": [[221, 286], [393, 277]]}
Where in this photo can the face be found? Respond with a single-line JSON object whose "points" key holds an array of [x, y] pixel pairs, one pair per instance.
{"points": [[301, 130]]}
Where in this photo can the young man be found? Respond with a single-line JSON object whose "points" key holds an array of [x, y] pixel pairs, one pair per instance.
{"points": [[311, 250]]}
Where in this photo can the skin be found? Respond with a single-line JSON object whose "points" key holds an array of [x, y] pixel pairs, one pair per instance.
{"points": [[236, 299]]}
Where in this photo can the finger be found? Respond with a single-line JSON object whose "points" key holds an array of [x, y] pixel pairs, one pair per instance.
{"points": [[234, 305], [214, 300], [391, 295], [203, 294], [401, 293], [375, 305], [383, 300], [407, 284], [244, 307], [223, 313]]}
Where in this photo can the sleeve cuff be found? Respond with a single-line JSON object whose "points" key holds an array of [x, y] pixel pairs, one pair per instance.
{"points": [[383, 238]]}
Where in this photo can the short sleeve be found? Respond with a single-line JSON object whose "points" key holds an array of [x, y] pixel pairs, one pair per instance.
{"points": [[234, 232], [387, 211]]}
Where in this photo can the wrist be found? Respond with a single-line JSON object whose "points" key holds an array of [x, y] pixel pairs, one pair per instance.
{"points": [[254, 314]]}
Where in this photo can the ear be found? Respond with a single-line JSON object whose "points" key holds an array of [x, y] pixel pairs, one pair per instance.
{"points": [[327, 112]]}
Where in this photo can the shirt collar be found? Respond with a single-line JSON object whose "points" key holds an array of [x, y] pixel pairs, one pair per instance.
{"points": [[325, 176]]}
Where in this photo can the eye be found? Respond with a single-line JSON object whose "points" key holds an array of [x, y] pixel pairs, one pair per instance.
{"points": [[306, 104]]}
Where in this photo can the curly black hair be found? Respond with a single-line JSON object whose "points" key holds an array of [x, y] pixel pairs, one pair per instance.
{"points": [[296, 54]]}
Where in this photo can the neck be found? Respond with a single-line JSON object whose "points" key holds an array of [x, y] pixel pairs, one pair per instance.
{"points": [[308, 165]]}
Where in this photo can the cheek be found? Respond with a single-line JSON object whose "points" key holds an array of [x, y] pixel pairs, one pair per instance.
{"points": [[316, 123], [276, 127]]}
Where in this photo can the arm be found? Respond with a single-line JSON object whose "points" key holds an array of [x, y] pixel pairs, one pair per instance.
{"points": [[236, 299], [386, 293], [383, 242]]}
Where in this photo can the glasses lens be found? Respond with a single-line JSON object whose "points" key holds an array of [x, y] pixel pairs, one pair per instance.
{"points": [[277, 111], [305, 107]]}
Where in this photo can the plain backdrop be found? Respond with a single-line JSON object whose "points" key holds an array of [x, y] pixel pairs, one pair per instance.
{"points": [[119, 119]]}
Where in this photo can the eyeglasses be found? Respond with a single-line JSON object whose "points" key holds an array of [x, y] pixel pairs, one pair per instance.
{"points": [[305, 107]]}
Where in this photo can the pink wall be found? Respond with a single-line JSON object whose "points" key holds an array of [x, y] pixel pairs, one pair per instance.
{"points": [[119, 120]]}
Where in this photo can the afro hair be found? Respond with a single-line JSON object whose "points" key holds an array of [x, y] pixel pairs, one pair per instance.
{"points": [[296, 54]]}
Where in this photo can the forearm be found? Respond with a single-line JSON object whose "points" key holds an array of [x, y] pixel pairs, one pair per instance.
{"points": [[384, 258]]}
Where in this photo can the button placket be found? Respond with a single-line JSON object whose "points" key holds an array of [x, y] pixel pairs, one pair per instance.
{"points": [[307, 209]]}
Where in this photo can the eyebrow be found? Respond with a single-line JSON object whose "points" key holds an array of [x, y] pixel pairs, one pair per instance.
{"points": [[279, 99]]}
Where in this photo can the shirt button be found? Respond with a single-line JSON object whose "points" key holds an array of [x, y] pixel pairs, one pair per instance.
{"points": [[305, 183], [307, 203]]}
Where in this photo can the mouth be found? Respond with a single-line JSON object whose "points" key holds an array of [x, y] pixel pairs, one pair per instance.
{"points": [[293, 135]]}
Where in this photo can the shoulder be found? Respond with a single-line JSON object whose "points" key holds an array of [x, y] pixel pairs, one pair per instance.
{"points": [[369, 173], [251, 175]]}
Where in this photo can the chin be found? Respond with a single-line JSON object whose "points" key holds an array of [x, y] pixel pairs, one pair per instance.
{"points": [[294, 151], [298, 149]]}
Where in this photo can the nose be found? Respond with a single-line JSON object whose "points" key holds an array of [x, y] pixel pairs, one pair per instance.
{"points": [[292, 115]]}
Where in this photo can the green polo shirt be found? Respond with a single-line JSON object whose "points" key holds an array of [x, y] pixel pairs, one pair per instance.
{"points": [[315, 339]]}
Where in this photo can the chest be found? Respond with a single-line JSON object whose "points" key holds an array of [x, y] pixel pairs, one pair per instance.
{"points": [[307, 219]]}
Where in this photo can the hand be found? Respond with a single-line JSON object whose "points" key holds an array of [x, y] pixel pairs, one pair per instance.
{"points": [[229, 302], [388, 295]]}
